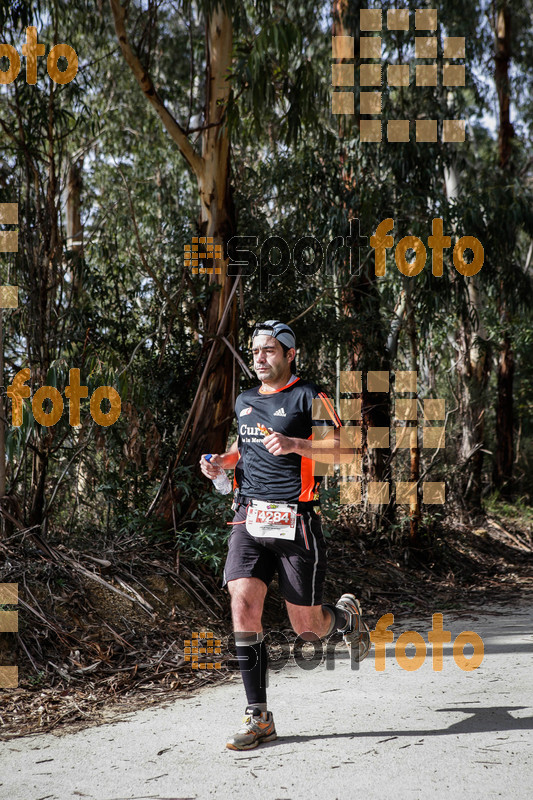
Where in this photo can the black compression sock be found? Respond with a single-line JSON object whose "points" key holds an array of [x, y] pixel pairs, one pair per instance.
{"points": [[339, 618], [252, 655]]}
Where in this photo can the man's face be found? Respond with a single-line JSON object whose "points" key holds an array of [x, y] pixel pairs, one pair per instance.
{"points": [[270, 364]]}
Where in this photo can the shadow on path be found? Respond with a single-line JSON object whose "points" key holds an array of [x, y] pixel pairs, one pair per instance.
{"points": [[495, 719]]}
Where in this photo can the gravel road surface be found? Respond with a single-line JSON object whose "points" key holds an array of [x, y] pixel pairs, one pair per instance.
{"points": [[342, 733]]}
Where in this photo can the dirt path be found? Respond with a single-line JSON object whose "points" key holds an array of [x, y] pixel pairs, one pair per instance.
{"points": [[343, 733]]}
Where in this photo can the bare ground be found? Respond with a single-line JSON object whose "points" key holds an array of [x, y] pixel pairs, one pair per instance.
{"points": [[101, 632]]}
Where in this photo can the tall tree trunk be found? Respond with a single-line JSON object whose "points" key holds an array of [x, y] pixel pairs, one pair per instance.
{"points": [[74, 224], [2, 423], [414, 471], [503, 462], [367, 347], [44, 253], [210, 418], [502, 60], [472, 373], [214, 410]]}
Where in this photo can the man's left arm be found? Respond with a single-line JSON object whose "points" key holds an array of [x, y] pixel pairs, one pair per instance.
{"points": [[326, 450]]}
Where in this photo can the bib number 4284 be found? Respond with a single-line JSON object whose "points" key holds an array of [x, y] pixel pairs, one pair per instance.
{"points": [[271, 517]]}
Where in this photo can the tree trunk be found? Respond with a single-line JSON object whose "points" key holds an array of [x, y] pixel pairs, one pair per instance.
{"points": [[210, 418], [74, 224], [414, 471], [502, 60], [214, 409], [2, 426], [473, 372], [503, 462], [43, 251], [367, 347]]}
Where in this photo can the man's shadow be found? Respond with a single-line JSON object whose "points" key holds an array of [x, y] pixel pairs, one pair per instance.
{"points": [[480, 720]]}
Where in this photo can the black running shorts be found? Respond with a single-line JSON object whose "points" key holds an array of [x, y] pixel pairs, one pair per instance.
{"points": [[301, 563]]}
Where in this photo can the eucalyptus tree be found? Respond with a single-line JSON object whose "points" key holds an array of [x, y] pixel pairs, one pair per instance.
{"points": [[247, 54], [36, 123], [512, 27]]}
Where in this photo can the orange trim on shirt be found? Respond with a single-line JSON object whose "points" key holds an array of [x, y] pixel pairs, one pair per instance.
{"points": [[330, 408], [279, 390], [307, 478], [235, 484]]}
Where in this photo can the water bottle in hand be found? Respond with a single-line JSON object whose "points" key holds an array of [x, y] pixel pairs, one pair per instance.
{"points": [[221, 483]]}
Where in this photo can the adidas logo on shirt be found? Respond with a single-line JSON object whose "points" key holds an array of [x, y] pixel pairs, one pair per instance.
{"points": [[279, 413]]}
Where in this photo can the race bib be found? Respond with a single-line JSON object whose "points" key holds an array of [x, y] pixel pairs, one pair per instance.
{"points": [[273, 520]]}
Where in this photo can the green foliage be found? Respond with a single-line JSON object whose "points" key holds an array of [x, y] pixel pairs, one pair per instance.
{"points": [[206, 535], [137, 318]]}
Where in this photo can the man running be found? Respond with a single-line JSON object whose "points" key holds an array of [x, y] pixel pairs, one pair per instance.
{"points": [[276, 526]]}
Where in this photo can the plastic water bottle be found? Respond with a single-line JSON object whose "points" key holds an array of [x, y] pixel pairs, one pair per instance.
{"points": [[221, 483]]}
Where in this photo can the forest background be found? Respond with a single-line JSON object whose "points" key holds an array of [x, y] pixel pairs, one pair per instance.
{"points": [[214, 119]]}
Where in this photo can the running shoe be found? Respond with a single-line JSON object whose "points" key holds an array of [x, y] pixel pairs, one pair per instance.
{"points": [[257, 726], [356, 633]]}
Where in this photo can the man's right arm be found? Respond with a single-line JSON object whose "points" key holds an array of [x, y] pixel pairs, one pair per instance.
{"points": [[225, 460]]}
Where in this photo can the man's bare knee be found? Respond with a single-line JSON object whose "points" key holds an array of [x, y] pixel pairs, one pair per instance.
{"points": [[309, 622], [251, 606], [247, 598]]}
